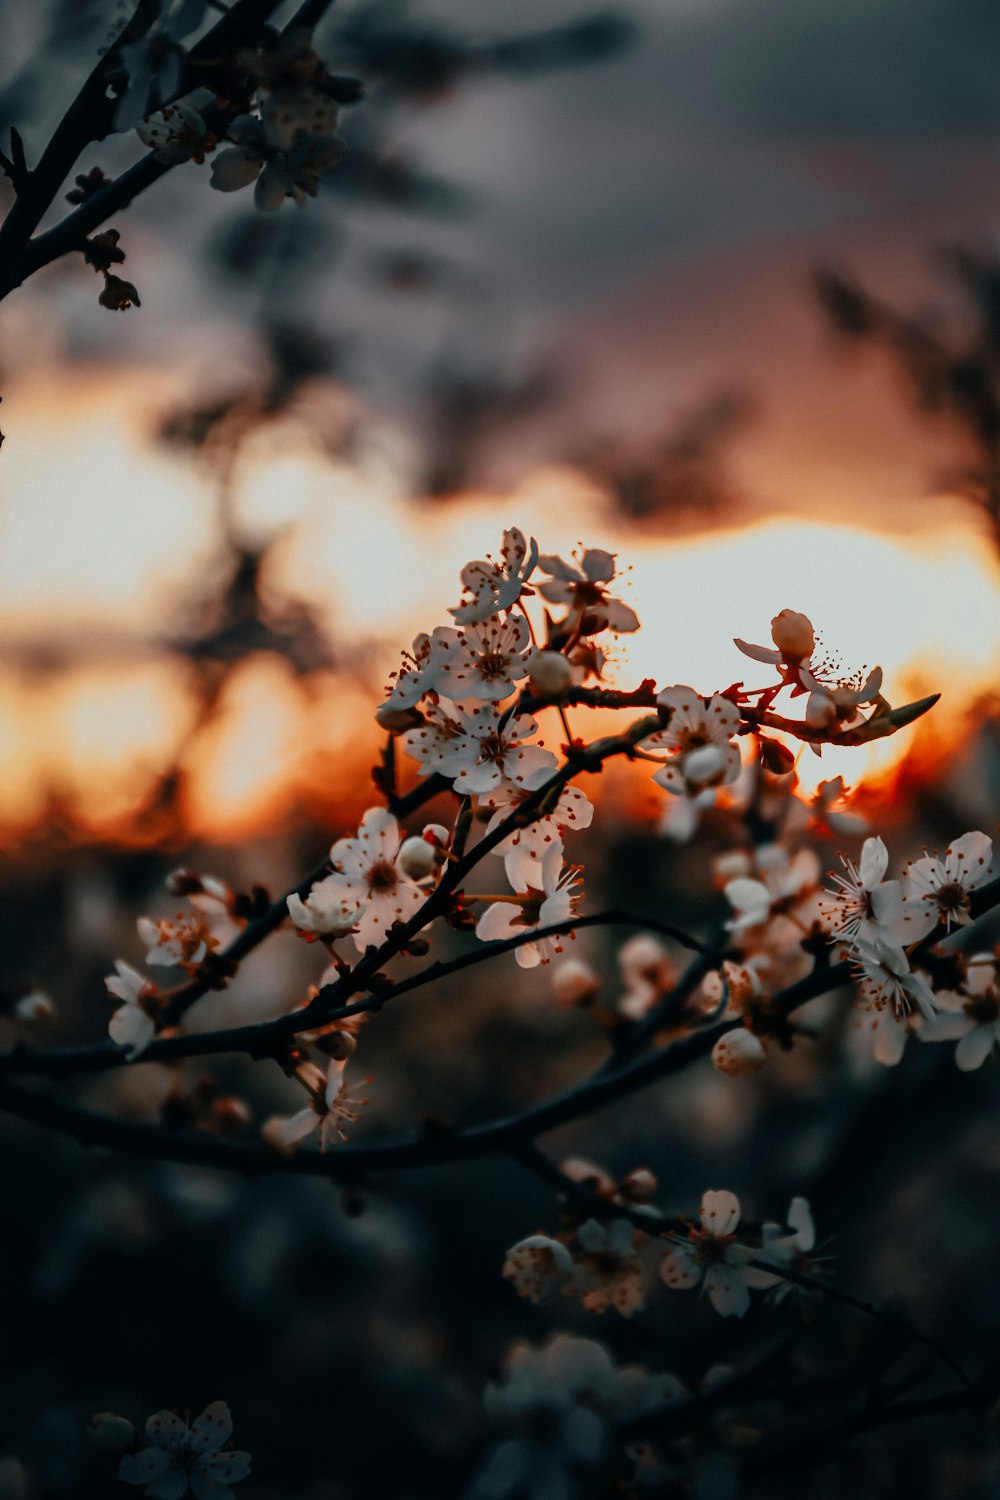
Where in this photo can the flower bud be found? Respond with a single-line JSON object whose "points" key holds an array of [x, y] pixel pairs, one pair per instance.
{"points": [[417, 858], [793, 635], [111, 1432], [397, 720], [575, 982], [34, 1009], [704, 766], [640, 1185], [437, 834], [644, 957], [738, 1052], [776, 757], [549, 672]]}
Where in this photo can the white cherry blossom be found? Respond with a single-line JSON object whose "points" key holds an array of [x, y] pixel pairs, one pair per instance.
{"points": [[326, 911], [699, 737], [938, 890], [180, 1455], [420, 667], [328, 1109], [971, 1016], [546, 903], [133, 1025], [864, 905], [582, 585], [889, 990], [497, 586], [490, 659], [366, 874], [712, 1256], [478, 750], [524, 849]]}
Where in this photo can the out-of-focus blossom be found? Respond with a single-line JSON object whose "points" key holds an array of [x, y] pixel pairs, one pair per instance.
{"points": [[575, 982], [279, 172], [648, 972], [178, 132], [582, 586], [154, 62], [34, 1009], [739, 1052], [607, 1270], [180, 1455], [538, 1267]]}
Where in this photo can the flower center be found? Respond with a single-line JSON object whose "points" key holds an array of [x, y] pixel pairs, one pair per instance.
{"points": [[383, 876]]}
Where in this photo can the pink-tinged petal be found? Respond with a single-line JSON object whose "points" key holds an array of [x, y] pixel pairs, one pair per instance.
{"points": [[720, 1212], [681, 1268], [890, 1040], [621, 619], [498, 922], [974, 1048], [874, 862], [758, 653], [727, 1291], [140, 1468]]}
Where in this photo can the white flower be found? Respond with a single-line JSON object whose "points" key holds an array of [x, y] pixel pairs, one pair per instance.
{"points": [[326, 911], [538, 1266], [34, 1009], [712, 1256], [581, 586], [154, 63], [972, 1017], [864, 906], [367, 875], [779, 881], [177, 132], [328, 1109], [793, 1251], [699, 736], [607, 1272], [838, 702], [496, 586], [545, 904], [180, 1455], [490, 660], [477, 750], [178, 942], [133, 1024], [648, 972], [889, 989], [938, 890], [421, 666], [524, 850]]}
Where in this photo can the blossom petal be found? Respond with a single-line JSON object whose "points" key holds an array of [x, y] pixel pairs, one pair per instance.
{"points": [[720, 1212]]}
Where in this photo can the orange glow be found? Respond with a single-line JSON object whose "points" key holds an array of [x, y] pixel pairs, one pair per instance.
{"points": [[98, 554]]}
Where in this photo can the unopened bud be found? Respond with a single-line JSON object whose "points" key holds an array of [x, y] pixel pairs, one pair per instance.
{"points": [[704, 766], [641, 1185], [437, 834], [587, 1174], [549, 672], [776, 757], [417, 858], [738, 1052], [397, 720], [111, 1432], [793, 635], [230, 1115], [34, 1009], [575, 982]]}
